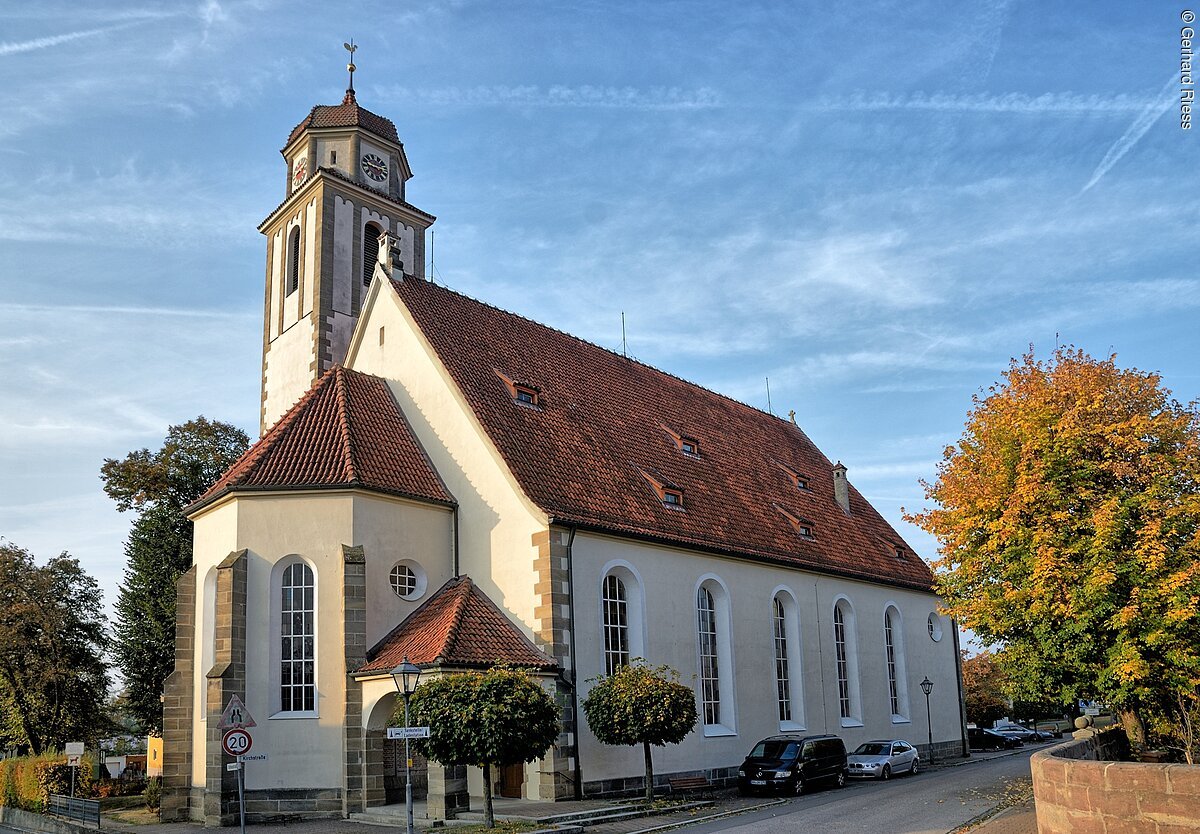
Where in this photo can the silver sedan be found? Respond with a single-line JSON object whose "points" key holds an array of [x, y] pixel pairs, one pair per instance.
{"points": [[881, 759]]}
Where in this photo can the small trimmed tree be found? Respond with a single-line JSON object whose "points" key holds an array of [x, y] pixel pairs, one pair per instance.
{"points": [[641, 704], [498, 717]]}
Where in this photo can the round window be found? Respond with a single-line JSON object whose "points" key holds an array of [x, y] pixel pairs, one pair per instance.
{"points": [[407, 579], [935, 627]]}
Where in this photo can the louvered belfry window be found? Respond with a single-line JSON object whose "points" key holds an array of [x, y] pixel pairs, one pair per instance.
{"points": [[371, 234], [297, 655], [293, 260]]}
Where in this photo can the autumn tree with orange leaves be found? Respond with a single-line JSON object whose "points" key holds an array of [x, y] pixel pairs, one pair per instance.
{"points": [[1068, 519]]}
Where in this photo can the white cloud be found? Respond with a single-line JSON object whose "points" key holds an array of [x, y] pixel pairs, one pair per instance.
{"points": [[14, 48], [1070, 104], [621, 98], [1149, 114]]}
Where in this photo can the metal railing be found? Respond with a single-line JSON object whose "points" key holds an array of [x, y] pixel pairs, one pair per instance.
{"points": [[82, 810]]}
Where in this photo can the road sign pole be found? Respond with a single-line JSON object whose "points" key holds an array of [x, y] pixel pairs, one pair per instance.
{"points": [[242, 795], [408, 802]]}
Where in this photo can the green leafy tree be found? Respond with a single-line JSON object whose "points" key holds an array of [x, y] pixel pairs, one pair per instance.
{"points": [[53, 681], [641, 704], [1068, 519], [159, 486], [498, 717]]}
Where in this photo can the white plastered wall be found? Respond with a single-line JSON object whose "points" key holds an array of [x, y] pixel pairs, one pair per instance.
{"points": [[214, 538], [671, 576], [497, 523], [306, 752]]}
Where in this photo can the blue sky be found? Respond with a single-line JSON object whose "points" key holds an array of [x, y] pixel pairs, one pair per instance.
{"points": [[875, 205]]}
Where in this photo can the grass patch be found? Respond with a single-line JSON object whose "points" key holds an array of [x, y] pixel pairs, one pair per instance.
{"points": [[134, 816]]}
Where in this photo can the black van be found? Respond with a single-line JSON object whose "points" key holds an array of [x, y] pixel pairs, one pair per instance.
{"points": [[792, 763]]}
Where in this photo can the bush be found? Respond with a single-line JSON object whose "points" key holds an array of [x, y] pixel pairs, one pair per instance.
{"points": [[153, 793], [27, 782]]}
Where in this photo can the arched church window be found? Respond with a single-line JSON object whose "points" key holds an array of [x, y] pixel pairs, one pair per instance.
{"points": [[371, 233], [845, 645], [710, 674], [893, 645], [297, 632], [789, 694], [714, 630], [293, 260], [616, 624]]}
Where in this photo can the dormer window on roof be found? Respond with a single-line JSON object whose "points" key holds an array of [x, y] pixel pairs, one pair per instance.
{"points": [[670, 494], [522, 393], [690, 446], [802, 526], [798, 480]]}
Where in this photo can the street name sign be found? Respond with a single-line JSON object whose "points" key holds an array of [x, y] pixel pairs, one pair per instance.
{"points": [[252, 757]]}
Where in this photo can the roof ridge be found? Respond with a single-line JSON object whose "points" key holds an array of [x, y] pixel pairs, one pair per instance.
{"points": [[625, 357], [457, 613], [344, 422], [382, 641], [489, 602], [279, 431]]}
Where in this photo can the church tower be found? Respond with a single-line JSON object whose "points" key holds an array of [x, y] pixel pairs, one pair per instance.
{"points": [[345, 182]]}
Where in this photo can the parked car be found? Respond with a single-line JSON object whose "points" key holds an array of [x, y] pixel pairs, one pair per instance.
{"points": [[880, 759], [981, 739], [1050, 728], [792, 763], [1023, 733]]}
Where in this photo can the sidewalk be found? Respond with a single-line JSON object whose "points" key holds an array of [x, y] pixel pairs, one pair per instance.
{"points": [[1018, 819]]}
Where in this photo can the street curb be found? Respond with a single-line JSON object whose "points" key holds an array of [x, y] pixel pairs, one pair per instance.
{"points": [[680, 823], [973, 760]]}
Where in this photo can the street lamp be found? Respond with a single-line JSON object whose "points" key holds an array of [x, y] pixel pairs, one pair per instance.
{"points": [[406, 676], [927, 687]]}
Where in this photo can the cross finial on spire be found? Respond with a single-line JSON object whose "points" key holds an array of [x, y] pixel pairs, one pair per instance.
{"points": [[351, 48]]}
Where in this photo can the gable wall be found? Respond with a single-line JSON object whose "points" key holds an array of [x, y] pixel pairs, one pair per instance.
{"points": [[496, 523]]}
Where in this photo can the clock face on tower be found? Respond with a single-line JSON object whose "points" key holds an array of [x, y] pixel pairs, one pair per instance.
{"points": [[299, 172], [374, 167]]}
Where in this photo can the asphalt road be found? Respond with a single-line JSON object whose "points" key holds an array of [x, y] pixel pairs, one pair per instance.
{"points": [[932, 802]]}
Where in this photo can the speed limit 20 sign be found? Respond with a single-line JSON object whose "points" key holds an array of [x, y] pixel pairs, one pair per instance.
{"points": [[237, 742]]}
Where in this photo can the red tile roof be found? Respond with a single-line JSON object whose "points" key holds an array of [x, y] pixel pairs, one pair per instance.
{"points": [[347, 431], [346, 114], [457, 626], [580, 454]]}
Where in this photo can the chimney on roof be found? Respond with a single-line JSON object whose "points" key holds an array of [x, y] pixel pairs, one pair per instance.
{"points": [[390, 257], [841, 487]]}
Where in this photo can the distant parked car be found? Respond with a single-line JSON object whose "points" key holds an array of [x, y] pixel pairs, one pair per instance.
{"points": [[881, 759], [1023, 733], [792, 763], [1050, 728], [981, 739]]}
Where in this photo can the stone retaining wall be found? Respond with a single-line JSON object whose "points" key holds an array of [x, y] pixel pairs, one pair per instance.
{"points": [[1078, 791]]}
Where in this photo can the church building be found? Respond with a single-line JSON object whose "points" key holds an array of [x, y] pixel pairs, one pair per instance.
{"points": [[446, 481]]}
